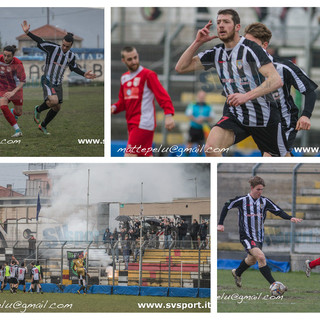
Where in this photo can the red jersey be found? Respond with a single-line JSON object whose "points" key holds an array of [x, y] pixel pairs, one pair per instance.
{"points": [[11, 75], [136, 97]]}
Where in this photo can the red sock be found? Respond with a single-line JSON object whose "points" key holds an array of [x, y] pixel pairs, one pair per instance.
{"points": [[15, 114], [8, 115], [314, 263]]}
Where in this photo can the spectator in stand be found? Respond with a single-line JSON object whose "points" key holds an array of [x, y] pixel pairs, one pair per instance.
{"points": [[126, 251], [182, 232], [194, 234], [32, 245], [167, 233], [107, 240], [114, 245], [153, 229], [203, 231]]}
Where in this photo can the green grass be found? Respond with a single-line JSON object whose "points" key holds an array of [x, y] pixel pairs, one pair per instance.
{"points": [[68, 302], [81, 117], [302, 295]]}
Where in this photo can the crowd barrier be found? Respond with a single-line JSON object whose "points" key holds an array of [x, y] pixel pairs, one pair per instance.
{"points": [[125, 290], [228, 264]]}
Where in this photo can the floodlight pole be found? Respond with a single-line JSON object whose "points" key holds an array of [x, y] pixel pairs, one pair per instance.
{"points": [[140, 255], [88, 205]]}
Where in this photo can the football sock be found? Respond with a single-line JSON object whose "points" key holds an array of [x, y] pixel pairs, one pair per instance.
{"points": [[15, 113], [266, 272], [8, 115], [49, 117], [242, 268], [314, 263], [42, 107]]}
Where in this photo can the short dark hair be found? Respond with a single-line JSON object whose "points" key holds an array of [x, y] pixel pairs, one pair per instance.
{"points": [[127, 49], [254, 181], [12, 49], [233, 13], [68, 37], [259, 31]]}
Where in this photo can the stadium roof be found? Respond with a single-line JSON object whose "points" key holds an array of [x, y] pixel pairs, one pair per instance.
{"points": [[48, 32]]}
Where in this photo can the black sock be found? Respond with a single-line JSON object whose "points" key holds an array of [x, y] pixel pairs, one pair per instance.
{"points": [[266, 272], [49, 117], [242, 268], [42, 107]]}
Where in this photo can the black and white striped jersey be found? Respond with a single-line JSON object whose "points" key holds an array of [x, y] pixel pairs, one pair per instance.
{"points": [[292, 76], [251, 215], [238, 70], [56, 60]]}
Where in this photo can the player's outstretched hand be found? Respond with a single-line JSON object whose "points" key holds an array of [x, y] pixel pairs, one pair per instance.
{"points": [[203, 34], [303, 123], [220, 227], [25, 26], [169, 123], [295, 220], [90, 75], [113, 109]]}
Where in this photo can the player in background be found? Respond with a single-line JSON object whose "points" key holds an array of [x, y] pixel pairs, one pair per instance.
{"points": [[14, 275], [6, 270], [12, 79], [248, 77], [310, 265], [292, 76], [58, 58], [22, 270], [139, 86], [35, 279], [252, 211], [1, 277]]}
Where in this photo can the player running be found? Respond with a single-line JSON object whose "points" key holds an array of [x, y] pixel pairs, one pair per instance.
{"points": [[139, 87], [292, 76], [248, 77], [252, 211], [57, 60], [12, 79]]}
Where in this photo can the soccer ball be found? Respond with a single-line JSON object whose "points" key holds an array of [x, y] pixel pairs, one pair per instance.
{"points": [[277, 289]]}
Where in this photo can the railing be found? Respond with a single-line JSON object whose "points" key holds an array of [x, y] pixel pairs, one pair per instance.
{"points": [[111, 264]]}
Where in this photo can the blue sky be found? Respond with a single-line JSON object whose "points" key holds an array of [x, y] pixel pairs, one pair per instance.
{"points": [[70, 19]]}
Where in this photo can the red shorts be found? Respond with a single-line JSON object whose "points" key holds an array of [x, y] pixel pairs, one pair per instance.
{"points": [[17, 99], [140, 141]]}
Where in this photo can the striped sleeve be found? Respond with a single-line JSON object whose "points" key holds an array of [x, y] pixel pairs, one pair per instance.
{"points": [[233, 203], [207, 58], [273, 208], [258, 55]]}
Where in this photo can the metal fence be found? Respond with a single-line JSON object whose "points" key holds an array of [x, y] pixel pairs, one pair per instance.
{"points": [[169, 264]]}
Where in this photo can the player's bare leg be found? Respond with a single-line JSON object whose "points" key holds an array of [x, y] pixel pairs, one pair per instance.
{"points": [[218, 140]]}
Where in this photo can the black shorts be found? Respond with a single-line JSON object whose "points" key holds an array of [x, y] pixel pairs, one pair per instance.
{"points": [[270, 139], [196, 135], [250, 244], [13, 280], [50, 89], [22, 282], [35, 282], [291, 134]]}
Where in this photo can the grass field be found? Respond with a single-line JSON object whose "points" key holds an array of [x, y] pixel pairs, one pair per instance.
{"points": [[302, 295], [81, 117], [68, 302]]}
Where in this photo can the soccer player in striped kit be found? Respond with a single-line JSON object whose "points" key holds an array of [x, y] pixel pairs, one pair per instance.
{"points": [[139, 87], [59, 57], [248, 77], [292, 76], [252, 211], [12, 79]]}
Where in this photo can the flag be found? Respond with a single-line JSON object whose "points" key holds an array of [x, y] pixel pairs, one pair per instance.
{"points": [[38, 206]]}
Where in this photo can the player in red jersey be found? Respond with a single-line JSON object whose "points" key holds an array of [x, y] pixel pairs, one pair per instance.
{"points": [[139, 87], [12, 79]]}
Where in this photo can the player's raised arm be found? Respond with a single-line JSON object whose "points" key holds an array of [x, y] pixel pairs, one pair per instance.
{"points": [[188, 61], [25, 26]]}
